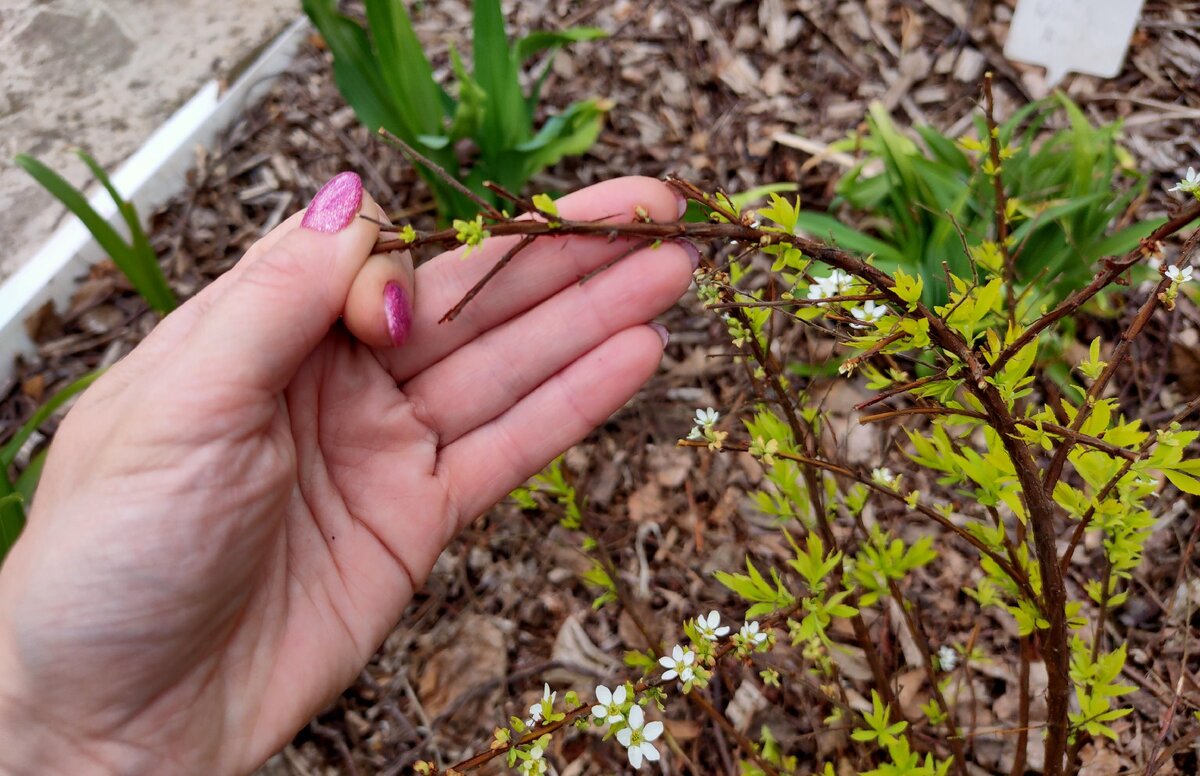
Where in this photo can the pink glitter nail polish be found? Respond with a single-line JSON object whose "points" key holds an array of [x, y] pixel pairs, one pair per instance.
{"points": [[335, 205], [398, 312]]}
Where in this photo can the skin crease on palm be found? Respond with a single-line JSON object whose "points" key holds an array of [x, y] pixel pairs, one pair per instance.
{"points": [[234, 517]]}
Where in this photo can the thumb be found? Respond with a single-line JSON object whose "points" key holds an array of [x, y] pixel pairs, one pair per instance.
{"points": [[256, 334]]}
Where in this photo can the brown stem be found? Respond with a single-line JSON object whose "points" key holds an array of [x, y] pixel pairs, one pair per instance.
{"points": [[922, 640], [1010, 270], [1086, 519], [447, 178], [1012, 571], [862, 634], [1053, 428], [746, 744], [1023, 701], [896, 390], [1112, 269], [508, 256]]}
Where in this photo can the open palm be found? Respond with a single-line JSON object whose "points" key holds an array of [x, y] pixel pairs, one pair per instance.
{"points": [[234, 517]]}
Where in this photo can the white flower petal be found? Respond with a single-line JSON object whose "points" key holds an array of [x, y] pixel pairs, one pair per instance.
{"points": [[669, 675], [666, 662], [637, 718], [618, 696], [604, 695], [600, 712], [653, 730], [649, 751], [635, 756], [624, 736]]}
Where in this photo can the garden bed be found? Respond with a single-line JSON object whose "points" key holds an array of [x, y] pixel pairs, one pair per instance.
{"points": [[724, 94]]}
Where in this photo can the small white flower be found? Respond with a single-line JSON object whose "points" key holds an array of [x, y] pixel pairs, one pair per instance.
{"points": [[535, 711], [1178, 275], [839, 282], [710, 627], [637, 737], [609, 707], [679, 664], [705, 421], [1190, 183], [869, 312], [884, 476], [536, 765], [750, 634], [947, 658]]}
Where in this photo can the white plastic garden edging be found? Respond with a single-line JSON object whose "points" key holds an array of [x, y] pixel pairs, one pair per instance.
{"points": [[149, 178]]}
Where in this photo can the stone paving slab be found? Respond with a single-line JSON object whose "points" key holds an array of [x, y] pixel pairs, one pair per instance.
{"points": [[102, 75]]}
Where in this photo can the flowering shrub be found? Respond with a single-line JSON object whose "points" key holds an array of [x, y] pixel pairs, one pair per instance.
{"points": [[1019, 477]]}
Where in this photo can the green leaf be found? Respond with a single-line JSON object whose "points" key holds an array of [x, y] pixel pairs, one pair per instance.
{"points": [[506, 120], [472, 102], [137, 260], [8, 453], [404, 67], [27, 481], [571, 132], [12, 515], [536, 42], [356, 70], [825, 227], [1184, 482]]}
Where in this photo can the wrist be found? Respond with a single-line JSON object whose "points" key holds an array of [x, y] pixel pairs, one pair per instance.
{"points": [[37, 741]]}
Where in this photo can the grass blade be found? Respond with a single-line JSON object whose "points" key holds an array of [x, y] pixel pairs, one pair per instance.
{"points": [[156, 293], [122, 253], [8, 453]]}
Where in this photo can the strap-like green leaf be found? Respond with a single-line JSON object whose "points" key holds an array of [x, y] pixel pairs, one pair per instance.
{"points": [[405, 69], [12, 515], [142, 258], [124, 255], [536, 42], [8, 453], [505, 122]]}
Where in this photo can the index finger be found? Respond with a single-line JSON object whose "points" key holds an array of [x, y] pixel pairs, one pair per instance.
{"points": [[541, 270]]}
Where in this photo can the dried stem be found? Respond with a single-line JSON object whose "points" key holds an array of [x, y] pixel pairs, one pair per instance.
{"points": [[1010, 270], [954, 739]]}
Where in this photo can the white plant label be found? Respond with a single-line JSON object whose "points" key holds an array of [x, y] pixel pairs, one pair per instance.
{"points": [[1072, 36]]}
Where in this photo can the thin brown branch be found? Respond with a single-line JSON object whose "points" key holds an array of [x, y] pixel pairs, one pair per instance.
{"points": [[1010, 270], [1086, 519], [921, 638], [416, 156], [744, 743], [1053, 428], [1013, 572], [508, 256], [1112, 269]]}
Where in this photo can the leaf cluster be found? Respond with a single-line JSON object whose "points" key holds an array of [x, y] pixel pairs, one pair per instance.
{"points": [[385, 76]]}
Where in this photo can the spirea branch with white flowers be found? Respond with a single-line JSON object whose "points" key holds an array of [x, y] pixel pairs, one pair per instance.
{"points": [[1000, 464]]}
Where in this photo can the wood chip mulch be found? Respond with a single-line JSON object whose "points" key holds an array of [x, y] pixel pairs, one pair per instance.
{"points": [[724, 93]]}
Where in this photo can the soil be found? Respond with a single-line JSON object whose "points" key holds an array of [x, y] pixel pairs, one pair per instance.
{"points": [[726, 94]]}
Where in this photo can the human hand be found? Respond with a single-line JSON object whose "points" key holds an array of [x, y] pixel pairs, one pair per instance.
{"points": [[232, 519]]}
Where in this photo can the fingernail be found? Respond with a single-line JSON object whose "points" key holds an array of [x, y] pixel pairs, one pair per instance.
{"points": [[398, 311], [682, 200], [692, 251], [662, 332], [335, 205]]}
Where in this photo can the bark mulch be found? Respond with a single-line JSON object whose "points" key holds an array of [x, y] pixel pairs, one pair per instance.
{"points": [[729, 94]]}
